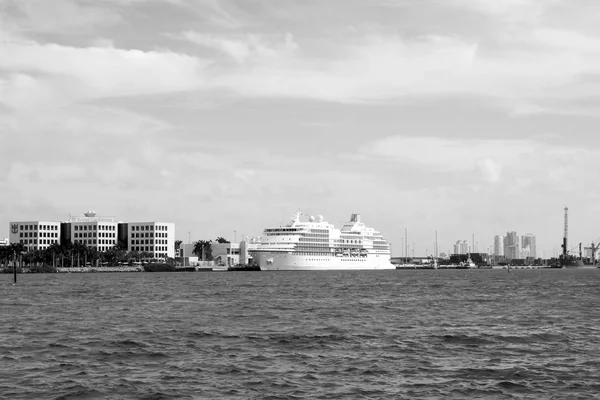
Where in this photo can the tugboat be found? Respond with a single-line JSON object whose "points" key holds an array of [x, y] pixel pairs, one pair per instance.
{"points": [[469, 264]]}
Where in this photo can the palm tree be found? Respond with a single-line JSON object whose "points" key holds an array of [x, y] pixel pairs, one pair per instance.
{"points": [[16, 250], [53, 252], [79, 249], [132, 255], [145, 255], [92, 254], [202, 249], [5, 254]]}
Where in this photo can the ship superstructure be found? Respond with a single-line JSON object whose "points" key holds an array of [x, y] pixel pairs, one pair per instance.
{"points": [[317, 244]]}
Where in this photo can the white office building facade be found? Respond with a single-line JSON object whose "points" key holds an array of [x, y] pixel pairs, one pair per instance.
{"points": [[97, 234], [157, 238], [101, 233], [34, 235]]}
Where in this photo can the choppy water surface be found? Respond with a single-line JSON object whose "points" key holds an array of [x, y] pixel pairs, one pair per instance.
{"points": [[369, 334]]}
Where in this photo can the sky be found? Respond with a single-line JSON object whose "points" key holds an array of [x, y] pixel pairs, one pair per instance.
{"points": [[461, 117]]}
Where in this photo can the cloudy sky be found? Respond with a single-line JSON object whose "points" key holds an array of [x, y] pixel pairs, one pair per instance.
{"points": [[461, 116]]}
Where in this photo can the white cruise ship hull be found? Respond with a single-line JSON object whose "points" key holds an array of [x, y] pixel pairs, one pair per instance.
{"points": [[274, 261]]}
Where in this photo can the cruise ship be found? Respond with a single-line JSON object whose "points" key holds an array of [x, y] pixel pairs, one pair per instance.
{"points": [[317, 245]]}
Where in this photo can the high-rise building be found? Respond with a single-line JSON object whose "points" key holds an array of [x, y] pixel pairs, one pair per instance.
{"points": [[498, 245], [511, 246], [528, 247]]}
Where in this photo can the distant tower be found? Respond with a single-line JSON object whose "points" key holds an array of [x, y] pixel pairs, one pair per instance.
{"points": [[498, 245], [566, 234], [528, 242], [511, 246]]}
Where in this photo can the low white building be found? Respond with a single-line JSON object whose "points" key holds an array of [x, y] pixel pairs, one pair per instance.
{"points": [[232, 253], [4, 242], [34, 235]]}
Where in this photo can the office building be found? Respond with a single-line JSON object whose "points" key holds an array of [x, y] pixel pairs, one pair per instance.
{"points": [[157, 238], [34, 235], [91, 230], [98, 232]]}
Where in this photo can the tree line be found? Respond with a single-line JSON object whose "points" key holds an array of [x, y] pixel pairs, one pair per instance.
{"points": [[79, 254], [68, 255]]}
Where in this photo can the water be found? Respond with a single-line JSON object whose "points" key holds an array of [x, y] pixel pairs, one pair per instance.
{"points": [[302, 335]]}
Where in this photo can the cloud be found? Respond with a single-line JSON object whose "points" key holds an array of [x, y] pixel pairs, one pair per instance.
{"points": [[383, 67], [521, 161], [491, 170], [250, 47], [62, 73], [65, 16]]}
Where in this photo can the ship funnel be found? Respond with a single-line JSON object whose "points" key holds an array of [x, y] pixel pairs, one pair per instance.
{"points": [[355, 218]]}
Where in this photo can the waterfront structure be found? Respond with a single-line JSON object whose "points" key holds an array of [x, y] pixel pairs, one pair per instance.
{"points": [[99, 232], [187, 250], [317, 245], [34, 235], [498, 245], [528, 246], [511, 246], [225, 253], [461, 247], [232, 253], [156, 238]]}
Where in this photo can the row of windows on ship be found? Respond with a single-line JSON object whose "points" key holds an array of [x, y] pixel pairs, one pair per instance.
{"points": [[337, 253]]}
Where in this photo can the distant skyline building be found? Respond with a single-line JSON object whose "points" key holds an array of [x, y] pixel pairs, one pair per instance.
{"points": [[461, 247], [511, 246], [498, 245], [528, 246]]}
